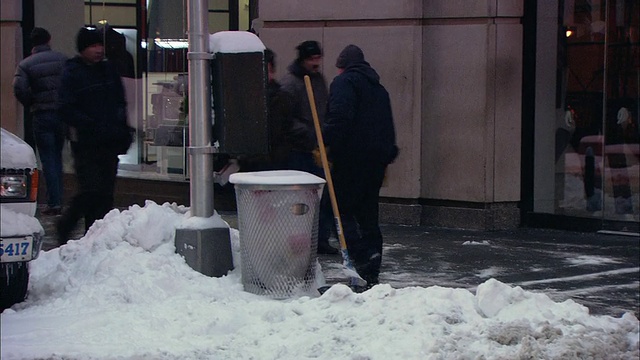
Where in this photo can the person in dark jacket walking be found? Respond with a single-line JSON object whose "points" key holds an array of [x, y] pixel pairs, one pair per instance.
{"points": [[301, 134], [92, 103], [360, 133], [35, 85]]}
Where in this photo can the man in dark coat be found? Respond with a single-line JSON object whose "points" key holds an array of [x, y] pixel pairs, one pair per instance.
{"points": [[35, 84], [301, 135], [360, 133], [92, 102]]}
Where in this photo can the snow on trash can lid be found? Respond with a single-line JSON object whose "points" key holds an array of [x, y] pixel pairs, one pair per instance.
{"points": [[276, 177]]}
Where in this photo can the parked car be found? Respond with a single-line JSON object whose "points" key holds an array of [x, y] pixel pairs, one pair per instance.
{"points": [[21, 234]]}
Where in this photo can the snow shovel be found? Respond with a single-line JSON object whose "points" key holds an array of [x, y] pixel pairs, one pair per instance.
{"points": [[347, 265]]}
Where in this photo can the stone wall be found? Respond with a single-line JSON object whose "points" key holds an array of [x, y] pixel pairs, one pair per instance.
{"points": [[454, 73], [10, 55]]}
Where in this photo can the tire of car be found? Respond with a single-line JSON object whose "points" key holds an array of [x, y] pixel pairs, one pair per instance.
{"points": [[14, 281]]}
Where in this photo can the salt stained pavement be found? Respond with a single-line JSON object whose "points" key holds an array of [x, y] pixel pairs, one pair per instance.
{"points": [[122, 292]]}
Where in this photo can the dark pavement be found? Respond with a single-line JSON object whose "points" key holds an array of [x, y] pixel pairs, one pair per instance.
{"points": [[599, 271]]}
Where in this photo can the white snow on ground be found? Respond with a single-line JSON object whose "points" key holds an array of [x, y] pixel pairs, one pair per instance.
{"points": [[484, 242], [122, 292], [583, 260], [489, 272]]}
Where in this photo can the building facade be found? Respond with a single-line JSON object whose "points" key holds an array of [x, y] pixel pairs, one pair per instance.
{"points": [[508, 112]]}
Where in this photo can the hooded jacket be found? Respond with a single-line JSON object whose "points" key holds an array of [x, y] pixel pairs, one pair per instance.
{"points": [[301, 135], [37, 78], [359, 122]]}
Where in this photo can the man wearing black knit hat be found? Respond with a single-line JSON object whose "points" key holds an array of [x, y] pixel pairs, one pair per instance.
{"points": [[301, 136], [359, 130], [92, 102]]}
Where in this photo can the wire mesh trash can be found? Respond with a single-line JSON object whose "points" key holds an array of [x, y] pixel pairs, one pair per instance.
{"points": [[278, 225]]}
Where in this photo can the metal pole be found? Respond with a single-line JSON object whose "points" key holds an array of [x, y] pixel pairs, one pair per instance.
{"points": [[605, 83], [200, 149], [206, 250]]}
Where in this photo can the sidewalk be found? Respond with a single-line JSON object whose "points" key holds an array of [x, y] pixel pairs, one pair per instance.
{"points": [[599, 271]]}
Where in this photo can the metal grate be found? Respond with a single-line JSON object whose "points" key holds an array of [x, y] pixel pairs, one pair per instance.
{"points": [[278, 238]]}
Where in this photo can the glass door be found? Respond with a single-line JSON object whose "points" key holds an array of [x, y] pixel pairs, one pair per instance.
{"points": [[620, 116], [596, 140]]}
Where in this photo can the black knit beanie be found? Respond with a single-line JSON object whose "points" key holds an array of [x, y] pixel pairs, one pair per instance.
{"points": [[87, 37], [307, 49], [349, 55]]}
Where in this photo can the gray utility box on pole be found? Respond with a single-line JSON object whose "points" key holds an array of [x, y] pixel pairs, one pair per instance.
{"points": [[240, 103], [208, 251]]}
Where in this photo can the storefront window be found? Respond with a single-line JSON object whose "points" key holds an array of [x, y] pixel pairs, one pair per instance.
{"points": [[148, 40], [596, 151]]}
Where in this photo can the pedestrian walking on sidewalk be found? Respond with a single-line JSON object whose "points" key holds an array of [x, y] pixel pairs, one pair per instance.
{"points": [[360, 134], [35, 85], [92, 103]]}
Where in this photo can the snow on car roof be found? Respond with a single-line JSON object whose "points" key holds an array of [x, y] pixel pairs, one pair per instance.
{"points": [[15, 153]]}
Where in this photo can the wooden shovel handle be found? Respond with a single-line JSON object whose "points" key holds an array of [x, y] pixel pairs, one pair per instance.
{"points": [[325, 163]]}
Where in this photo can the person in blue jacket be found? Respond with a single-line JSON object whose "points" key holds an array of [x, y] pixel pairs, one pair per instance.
{"points": [[360, 135], [92, 102]]}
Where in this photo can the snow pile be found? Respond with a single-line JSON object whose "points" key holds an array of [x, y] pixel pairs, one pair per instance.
{"points": [[122, 292]]}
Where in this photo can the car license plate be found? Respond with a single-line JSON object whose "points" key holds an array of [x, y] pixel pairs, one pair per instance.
{"points": [[16, 249]]}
